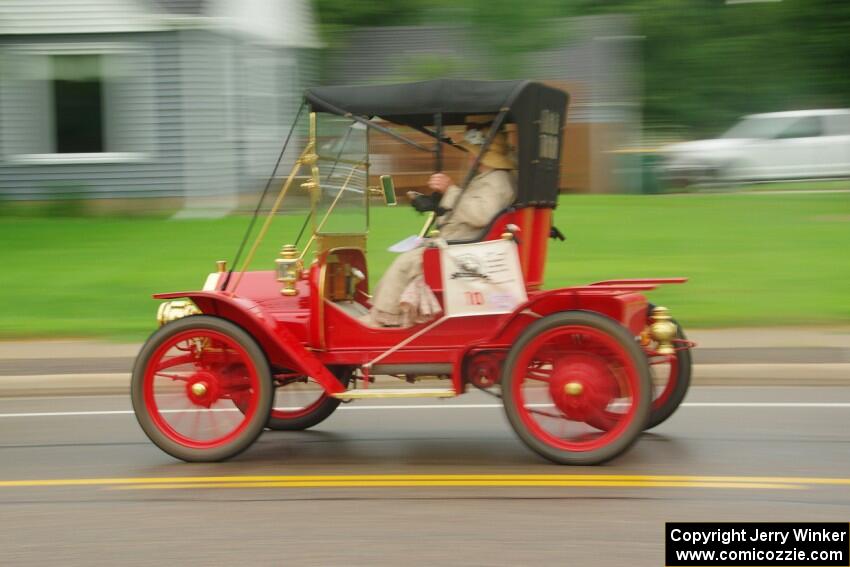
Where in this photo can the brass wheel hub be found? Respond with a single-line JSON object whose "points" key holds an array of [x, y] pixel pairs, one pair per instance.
{"points": [[573, 388], [203, 389], [582, 385]]}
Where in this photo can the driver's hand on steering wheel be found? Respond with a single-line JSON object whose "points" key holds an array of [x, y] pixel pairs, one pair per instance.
{"points": [[440, 182]]}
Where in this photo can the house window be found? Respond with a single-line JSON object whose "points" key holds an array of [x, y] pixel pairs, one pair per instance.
{"points": [[78, 103]]}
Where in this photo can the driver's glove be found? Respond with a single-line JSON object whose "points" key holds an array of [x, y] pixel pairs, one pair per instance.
{"points": [[426, 203]]}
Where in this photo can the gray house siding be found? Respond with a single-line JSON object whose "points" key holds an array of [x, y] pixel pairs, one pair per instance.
{"points": [[193, 113], [209, 163], [238, 102], [142, 108]]}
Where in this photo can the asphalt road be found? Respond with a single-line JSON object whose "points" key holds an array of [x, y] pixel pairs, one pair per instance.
{"points": [[728, 454]]}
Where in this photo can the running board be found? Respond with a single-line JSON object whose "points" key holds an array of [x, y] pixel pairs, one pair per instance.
{"points": [[363, 393], [431, 369]]}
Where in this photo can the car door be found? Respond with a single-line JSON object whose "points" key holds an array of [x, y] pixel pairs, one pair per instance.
{"points": [[791, 153], [832, 150]]}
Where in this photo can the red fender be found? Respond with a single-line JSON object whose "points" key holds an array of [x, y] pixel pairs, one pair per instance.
{"points": [[280, 345], [624, 306]]}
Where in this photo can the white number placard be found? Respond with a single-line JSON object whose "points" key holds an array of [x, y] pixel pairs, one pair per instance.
{"points": [[481, 278]]}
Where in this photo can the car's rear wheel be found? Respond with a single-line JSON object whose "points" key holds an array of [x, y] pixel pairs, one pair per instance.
{"points": [[186, 381], [300, 402], [577, 388]]}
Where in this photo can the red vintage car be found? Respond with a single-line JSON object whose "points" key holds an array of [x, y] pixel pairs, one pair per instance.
{"points": [[582, 371]]}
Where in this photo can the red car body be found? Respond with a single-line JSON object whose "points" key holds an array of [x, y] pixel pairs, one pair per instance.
{"points": [[586, 349]]}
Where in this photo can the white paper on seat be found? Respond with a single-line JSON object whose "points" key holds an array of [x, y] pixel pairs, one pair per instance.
{"points": [[408, 243]]}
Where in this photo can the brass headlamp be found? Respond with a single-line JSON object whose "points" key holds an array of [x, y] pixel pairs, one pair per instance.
{"points": [[175, 309], [289, 268]]}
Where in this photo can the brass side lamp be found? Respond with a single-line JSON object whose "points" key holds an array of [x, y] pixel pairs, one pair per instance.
{"points": [[288, 268]]}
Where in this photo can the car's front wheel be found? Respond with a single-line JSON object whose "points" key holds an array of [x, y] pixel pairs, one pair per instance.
{"points": [[201, 389]]}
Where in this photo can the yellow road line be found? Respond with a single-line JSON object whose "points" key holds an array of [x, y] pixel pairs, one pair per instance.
{"points": [[438, 480], [465, 483]]}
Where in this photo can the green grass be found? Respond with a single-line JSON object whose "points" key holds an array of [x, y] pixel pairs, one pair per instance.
{"points": [[752, 260], [803, 185]]}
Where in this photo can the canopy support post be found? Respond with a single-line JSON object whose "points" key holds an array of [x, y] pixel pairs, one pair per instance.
{"points": [[438, 145], [491, 135]]}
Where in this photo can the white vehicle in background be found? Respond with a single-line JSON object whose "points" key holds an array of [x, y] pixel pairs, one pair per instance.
{"points": [[801, 144]]}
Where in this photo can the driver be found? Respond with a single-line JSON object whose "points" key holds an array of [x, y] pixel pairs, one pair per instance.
{"points": [[401, 297]]}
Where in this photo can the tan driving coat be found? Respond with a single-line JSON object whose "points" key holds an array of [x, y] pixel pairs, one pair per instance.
{"points": [[488, 194]]}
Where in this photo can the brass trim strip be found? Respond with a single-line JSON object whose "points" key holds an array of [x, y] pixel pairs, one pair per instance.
{"points": [[337, 198], [321, 310], [429, 220], [353, 162], [406, 341], [396, 393], [321, 293]]}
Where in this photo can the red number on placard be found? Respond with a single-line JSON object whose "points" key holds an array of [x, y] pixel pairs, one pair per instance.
{"points": [[474, 298]]}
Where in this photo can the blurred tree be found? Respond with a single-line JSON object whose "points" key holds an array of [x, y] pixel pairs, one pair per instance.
{"points": [[506, 29], [824, 46], [510, 30], [426, 66], [365, 13], [336, 17], [705, 62]]}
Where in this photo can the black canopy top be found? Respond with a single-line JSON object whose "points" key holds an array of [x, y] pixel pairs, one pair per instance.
{"points": [[416, 103], [537, 110]]}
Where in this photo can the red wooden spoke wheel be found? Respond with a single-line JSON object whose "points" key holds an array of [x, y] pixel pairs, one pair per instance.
{"points": [[300, 402], [671, 378], [187, 382], [577, 388]]}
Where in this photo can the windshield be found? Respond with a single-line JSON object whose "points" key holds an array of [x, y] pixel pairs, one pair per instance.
{"points": [[758, 127], [341, 202]]}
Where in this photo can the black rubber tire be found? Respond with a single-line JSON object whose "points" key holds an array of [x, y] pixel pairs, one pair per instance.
{"points": [[258, 421], [630, 346], [659, 415], [322, 411]]}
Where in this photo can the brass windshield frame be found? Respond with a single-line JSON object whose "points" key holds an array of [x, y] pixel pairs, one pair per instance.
{"points": [[315, 188], [308, 158]]}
